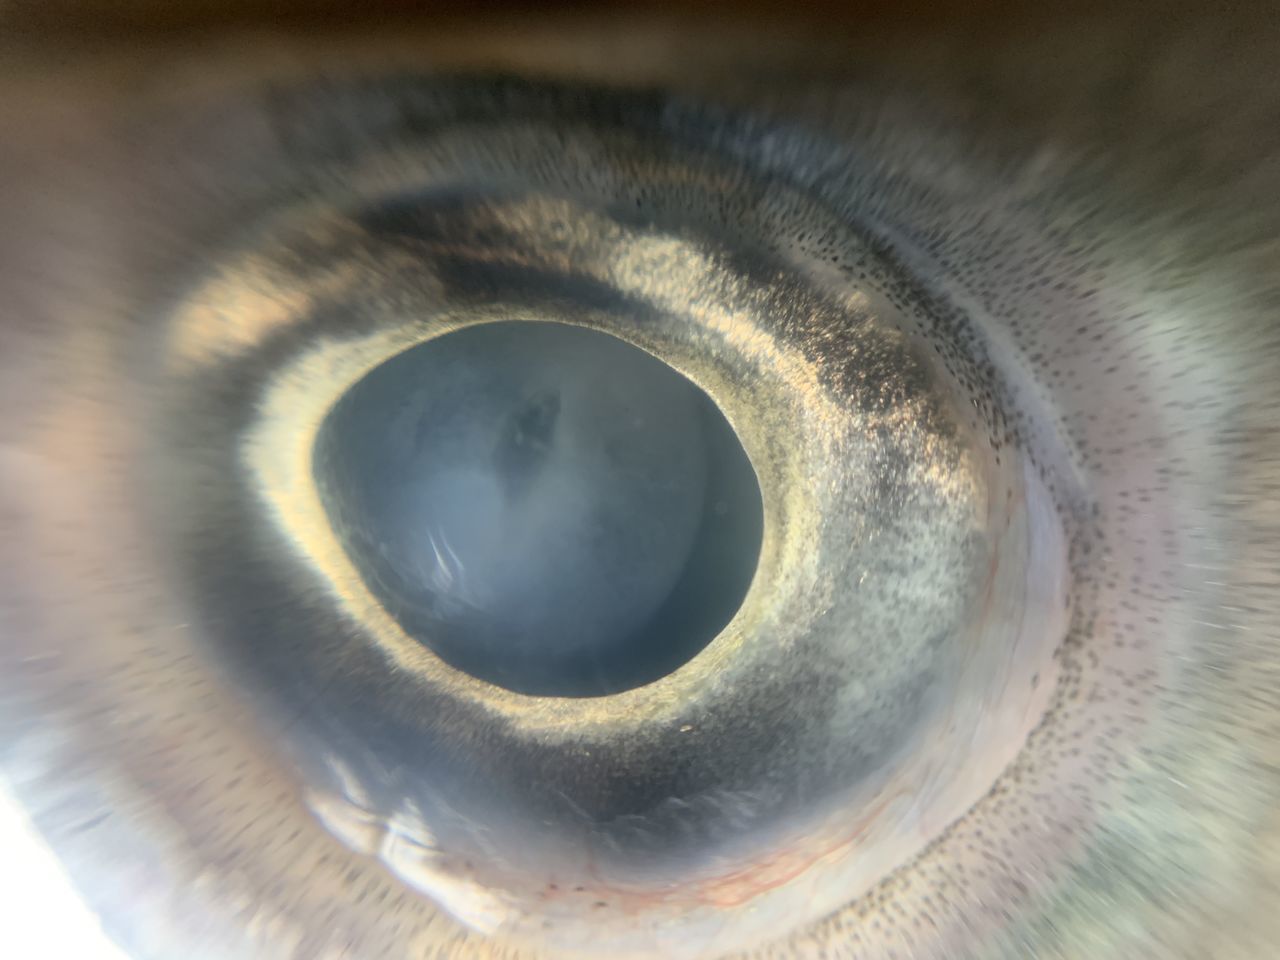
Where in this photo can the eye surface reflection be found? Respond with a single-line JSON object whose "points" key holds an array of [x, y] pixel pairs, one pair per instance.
{"points": [[544, 506]]}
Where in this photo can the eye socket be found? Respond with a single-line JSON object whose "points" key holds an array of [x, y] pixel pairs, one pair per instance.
{"points": [[546, 507], [912, 560]]}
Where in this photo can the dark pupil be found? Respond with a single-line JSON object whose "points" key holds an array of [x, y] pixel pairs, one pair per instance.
{"points": [[546, 507]]}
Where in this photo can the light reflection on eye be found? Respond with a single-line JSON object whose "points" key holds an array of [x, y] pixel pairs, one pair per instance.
{"points": [[956, 691], [55, 920]]}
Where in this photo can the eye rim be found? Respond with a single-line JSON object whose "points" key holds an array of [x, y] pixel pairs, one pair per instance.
{"points": [[390, 177], [286, 484]]}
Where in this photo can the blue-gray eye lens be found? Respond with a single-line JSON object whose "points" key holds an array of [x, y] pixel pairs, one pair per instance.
{"points": [[546, 507]]}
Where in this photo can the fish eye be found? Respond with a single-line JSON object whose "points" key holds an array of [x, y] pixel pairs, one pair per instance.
{"points": [[546, 507], [485, 492]]}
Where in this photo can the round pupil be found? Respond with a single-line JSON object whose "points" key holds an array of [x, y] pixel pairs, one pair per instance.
{"points": [[546, 507]]}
